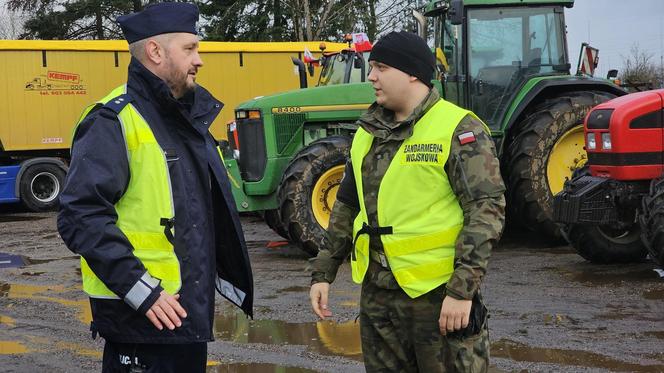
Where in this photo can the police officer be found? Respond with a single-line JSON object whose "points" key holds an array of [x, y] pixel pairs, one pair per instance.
{"points": [[418, 210], [147, 204]]}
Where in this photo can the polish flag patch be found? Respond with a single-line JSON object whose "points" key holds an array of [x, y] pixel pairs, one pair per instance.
{"points": [[466, 138]]}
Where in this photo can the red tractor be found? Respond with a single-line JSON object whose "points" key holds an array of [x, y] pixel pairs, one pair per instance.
{"points": [[613, 208]]}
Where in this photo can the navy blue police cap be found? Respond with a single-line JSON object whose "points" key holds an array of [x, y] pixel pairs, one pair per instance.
{"points": [[161, 18]]}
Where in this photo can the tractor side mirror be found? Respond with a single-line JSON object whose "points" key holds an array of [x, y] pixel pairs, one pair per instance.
{"points": [[358, 62], [456, 12], [613, 73]]}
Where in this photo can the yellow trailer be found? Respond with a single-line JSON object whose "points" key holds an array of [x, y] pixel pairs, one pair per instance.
{"points": [[46, 84]]}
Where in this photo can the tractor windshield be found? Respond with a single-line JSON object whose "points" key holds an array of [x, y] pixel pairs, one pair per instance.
{"points": [[344, 67], [506, 47]]}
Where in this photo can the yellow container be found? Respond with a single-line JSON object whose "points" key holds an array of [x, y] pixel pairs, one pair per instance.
{"points": [[45, 85]]}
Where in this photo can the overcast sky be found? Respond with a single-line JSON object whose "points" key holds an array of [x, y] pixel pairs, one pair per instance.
{"points": [[613, 26]]}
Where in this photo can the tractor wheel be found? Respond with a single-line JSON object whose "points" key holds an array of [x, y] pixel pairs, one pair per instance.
{"points": [[544, 150], [40, 187], [603, 244], [652, 221], [273, 221], [308, 190]]}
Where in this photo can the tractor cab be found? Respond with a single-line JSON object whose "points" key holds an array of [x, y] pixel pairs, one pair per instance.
{"points": [[347, 66], [350, 65], [492, 51]]}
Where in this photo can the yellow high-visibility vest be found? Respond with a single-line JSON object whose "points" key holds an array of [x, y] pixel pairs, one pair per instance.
{"points": [[147, 201], [416, 200]]}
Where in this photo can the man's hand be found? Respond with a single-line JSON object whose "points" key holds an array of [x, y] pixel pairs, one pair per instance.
{"points": [[166, 311], [318, 295], [454, 314]]}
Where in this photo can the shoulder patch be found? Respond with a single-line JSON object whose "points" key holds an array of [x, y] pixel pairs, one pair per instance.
{"points": [[117, 104], [466, 138]]}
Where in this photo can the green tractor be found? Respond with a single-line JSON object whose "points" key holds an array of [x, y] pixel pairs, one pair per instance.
{"points": [[506, 60]]}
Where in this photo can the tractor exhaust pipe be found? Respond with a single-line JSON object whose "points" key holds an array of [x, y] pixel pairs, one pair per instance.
{"points": [[421, 23], [302, 71]]}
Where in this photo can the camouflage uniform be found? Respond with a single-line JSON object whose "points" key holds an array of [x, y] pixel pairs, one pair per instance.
{"points": [[400, 333]]}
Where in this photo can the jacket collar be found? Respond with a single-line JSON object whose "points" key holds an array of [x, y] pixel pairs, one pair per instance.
{"points": [[380, 123], [197, 104]]}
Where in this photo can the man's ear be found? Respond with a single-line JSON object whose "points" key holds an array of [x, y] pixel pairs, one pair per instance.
{"points": [[412, 78], [154, 52]]}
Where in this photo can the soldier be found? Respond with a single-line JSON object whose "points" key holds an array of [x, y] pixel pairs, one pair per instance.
{"points": [[419, 208]]}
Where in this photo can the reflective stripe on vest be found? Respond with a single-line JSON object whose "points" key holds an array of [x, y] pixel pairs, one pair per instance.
{"points": [[416, 200], [148, 199]]}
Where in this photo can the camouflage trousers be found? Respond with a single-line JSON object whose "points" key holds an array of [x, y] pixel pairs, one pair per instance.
{"points": [[401, 334]]}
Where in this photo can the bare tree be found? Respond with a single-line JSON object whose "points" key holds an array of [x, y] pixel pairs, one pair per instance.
{"points": [[11, 24], [639, 69], [395, 15]]}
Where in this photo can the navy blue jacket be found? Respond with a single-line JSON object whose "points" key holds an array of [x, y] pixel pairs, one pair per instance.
{"points": [[209, 242]]}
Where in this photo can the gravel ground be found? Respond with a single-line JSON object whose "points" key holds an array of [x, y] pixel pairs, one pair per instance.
{"points": [[551, 310]]}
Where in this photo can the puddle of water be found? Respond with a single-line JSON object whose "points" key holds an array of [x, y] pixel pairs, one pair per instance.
{"points": [[6, 320], [45, 293], [654, 294], [559, 319], [32, 261], [32, 274], [608, 275], [11, 218], [253, 368], [16, 261], [12, 348], [12, 261], [324, 337], [657, 334], [520, 352]]}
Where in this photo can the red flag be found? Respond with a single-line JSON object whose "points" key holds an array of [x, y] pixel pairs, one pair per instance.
{"points": [[309, 58], [361, 42], [466, 138]]}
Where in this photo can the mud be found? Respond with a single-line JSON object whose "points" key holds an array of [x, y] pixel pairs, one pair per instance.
{"points": [[551, 310]]}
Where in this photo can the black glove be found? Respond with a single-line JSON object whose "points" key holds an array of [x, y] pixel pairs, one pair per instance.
{"points": [[478, 317]]}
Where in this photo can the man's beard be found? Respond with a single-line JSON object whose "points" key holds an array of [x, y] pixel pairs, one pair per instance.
{"points": [[178, 81]]}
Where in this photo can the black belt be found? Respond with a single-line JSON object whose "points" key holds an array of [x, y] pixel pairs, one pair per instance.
{"points": [[372, 232], [168, 224]]}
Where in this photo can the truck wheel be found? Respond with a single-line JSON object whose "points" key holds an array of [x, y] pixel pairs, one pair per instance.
{"points": [[543, 151], [308, 190], [273, 221], [603, 244], [652, 221], [40, 187]]}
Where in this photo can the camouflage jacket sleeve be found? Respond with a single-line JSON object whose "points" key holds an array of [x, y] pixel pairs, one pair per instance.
{"points": [[338, 238], [474, 175]]}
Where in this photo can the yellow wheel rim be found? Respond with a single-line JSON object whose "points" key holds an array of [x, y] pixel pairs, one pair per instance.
{"points": [[325, 193], [566, 156]]}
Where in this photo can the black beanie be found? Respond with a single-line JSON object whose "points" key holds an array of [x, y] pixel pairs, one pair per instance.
{"points": [[407, 52]]}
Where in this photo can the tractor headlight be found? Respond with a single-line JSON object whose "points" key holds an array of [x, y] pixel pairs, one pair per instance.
{"points": [[606, 141], [591, 144]]}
